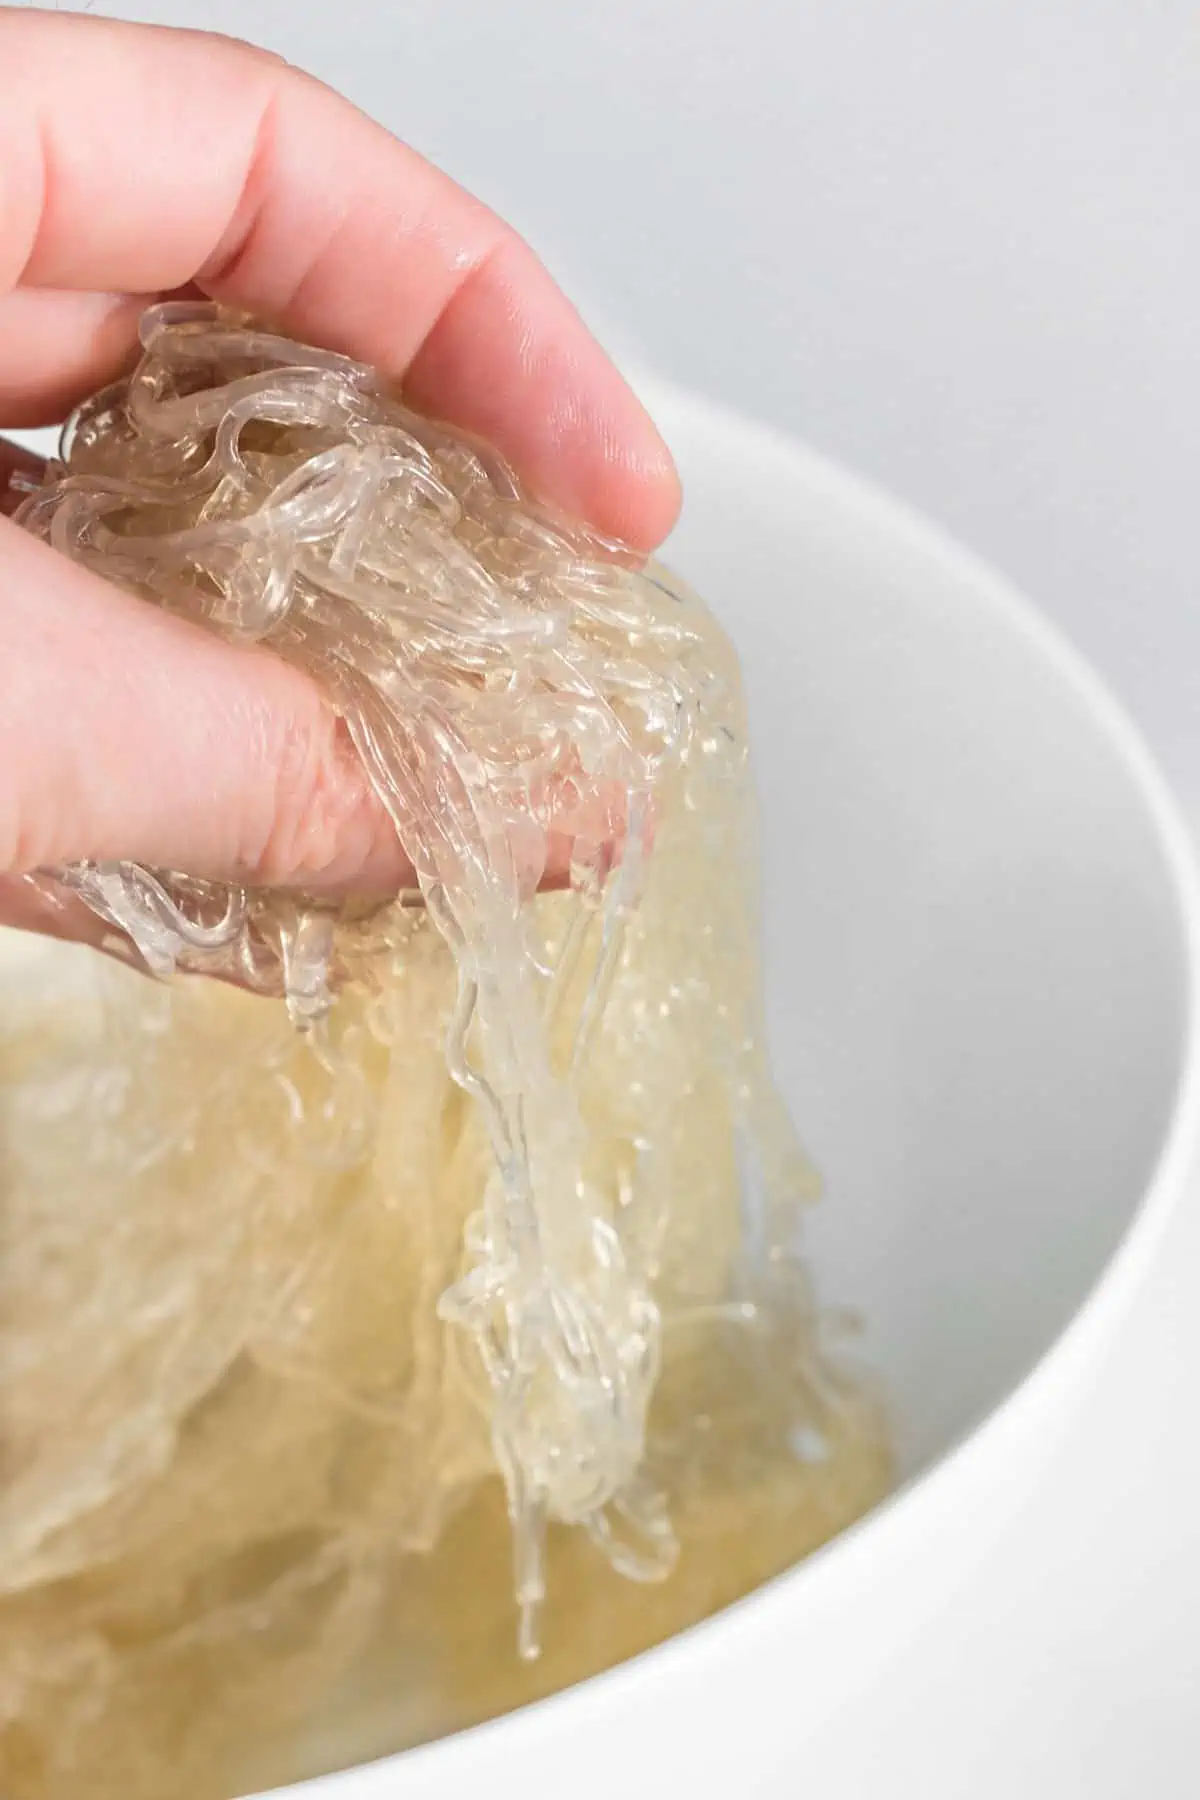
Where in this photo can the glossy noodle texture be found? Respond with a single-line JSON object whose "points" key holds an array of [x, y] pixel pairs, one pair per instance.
{"points": [[467, 1214]]}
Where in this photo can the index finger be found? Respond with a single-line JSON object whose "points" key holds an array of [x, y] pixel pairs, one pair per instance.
{"points": [[135, 159]]}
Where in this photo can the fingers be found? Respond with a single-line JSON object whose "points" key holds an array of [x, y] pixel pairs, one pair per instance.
{"points": [[129, 734], [56, 347], [136, 160], [126, 733]]}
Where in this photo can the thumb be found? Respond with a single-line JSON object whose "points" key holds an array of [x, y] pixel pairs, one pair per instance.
{"points": [[128, 734]]}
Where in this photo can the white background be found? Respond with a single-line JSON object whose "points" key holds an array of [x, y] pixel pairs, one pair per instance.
{"points": [[955, 243]]}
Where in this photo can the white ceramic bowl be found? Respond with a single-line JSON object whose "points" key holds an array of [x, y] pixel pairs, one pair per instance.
{"points": [[982, 957]]}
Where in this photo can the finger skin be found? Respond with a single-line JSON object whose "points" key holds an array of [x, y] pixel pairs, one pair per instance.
{"points": [[135, 160], [124, 733], [130, 734], [57, 347], [127, 733]]}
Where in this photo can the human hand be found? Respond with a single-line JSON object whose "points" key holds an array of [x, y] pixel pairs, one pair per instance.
{"points": [[139, 162]]}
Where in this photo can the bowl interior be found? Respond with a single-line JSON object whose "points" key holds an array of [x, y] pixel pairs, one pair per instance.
{"points": [[976, 953], [976, 961], [979, 977]]}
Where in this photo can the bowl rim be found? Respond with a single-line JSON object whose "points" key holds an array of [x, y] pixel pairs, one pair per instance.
{"points": [[1111, 1292]]}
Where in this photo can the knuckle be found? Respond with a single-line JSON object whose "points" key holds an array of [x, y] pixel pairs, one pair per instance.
{"points": [[323, 817]]}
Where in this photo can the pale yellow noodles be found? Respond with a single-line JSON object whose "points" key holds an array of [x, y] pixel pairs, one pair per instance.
{"points": [[503, 1185]]}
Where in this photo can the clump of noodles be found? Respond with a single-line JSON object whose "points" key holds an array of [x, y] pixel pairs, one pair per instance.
{"points": [[497, 669], [504, 1186]]}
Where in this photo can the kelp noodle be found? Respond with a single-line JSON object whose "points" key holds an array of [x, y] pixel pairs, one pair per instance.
{"points": [[509, 681]]}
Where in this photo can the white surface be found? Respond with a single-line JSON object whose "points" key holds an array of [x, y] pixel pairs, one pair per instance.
{"points": [[973, 961], [957, 245], [982, 949]]}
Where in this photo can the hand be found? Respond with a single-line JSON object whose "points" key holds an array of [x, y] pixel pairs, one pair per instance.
{"points": [[137, 162]]}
